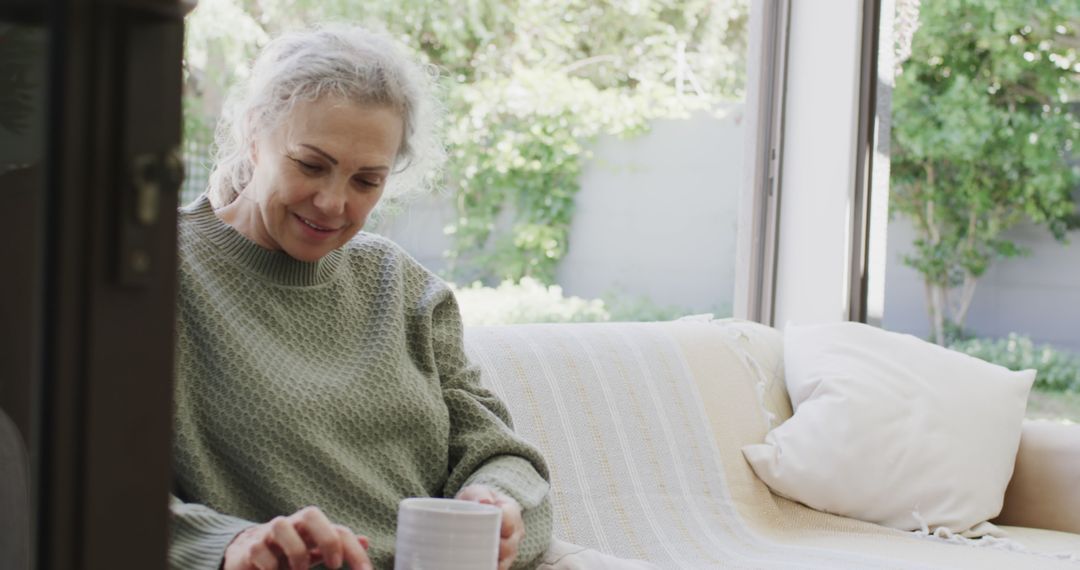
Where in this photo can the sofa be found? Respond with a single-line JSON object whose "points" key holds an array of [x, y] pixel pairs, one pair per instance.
{"points": [[643, 426]]}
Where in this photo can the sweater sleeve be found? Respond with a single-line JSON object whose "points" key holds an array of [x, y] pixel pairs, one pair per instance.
{"points": [[199, 535], [483, 446], [516, 477]]}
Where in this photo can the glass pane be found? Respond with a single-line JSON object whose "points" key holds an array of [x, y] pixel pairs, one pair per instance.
{"points": [[23, 60], [22, 97], [23, 84], [596, 151], [985, 187]]}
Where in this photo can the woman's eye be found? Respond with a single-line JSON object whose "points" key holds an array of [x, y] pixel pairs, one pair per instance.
{"points": [[368, 182], [308, 167]]}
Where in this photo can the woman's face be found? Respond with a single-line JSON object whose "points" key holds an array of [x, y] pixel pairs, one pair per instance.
{"points": [[317, 177]]}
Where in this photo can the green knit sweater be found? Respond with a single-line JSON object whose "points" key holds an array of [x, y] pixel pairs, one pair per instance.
{"points": [[340, 383]]}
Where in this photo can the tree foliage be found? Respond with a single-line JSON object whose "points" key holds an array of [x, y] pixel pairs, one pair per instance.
{"points": [[984, 127], [529, 83]]}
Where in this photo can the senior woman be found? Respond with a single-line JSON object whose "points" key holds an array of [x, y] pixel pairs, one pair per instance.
{"points": [[320, 373]]}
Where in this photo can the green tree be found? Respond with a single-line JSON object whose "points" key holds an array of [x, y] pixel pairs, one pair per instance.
{"points": [[528, 85], [984, 124]]}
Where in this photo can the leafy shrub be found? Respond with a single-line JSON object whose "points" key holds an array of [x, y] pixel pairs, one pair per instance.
{"points": [[528, 301], [638, 308], [1059, 369]]}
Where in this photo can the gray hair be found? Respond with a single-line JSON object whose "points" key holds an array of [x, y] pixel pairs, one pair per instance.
{"points": [[348, 62]]}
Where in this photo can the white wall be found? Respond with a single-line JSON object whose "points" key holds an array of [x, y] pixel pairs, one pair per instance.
{"points": [[1037, 295], [821, 111], [657, 215]]}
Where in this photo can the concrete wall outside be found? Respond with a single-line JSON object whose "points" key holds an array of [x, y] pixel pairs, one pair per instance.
{"points": [[656, 217], [1037, 296]]}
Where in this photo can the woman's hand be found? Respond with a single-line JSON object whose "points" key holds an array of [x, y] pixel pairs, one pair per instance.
{"points": [[297, 542], [513, 528]]}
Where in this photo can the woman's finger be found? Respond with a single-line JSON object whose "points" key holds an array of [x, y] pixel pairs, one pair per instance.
{"points": [[513, 532], [262, 557], [287, 541], [511, 520], [512, 528], [355, 553], [316, 557], [508, 549], [477, 493], [318, 532]]}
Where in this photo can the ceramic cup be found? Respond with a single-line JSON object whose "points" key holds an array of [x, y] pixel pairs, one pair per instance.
{"points": [[447, 534]]}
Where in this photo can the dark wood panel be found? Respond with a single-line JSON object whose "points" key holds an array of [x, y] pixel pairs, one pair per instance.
{"points": [[105, 469], [22, 190], [25, 11], [131, 351]]}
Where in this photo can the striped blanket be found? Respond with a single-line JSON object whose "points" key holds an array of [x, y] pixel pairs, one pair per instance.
{"points": [[643, 425]]}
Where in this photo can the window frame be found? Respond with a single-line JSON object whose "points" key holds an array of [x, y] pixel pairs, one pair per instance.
{"points": [[759, 215]]}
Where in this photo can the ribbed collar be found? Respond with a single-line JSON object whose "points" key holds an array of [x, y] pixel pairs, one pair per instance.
{"points": [[276, 266]]}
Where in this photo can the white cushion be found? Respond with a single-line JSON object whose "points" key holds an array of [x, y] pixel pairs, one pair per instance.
{"points": [[892, 429]]}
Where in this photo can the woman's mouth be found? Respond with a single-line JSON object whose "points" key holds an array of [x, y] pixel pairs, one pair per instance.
{"points": [[314, 229]]}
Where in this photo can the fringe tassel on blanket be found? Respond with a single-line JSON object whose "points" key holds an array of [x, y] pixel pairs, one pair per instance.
{"points": [[761, 384], [944, 534]]}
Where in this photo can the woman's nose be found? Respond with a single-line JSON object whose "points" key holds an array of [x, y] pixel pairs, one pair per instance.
{"points": [[330, 199]]}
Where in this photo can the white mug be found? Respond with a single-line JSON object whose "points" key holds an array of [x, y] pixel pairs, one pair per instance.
{"points": [[447, 534]]}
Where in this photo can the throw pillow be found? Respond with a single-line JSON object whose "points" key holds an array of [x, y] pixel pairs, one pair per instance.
{"points": [[892, 429]]}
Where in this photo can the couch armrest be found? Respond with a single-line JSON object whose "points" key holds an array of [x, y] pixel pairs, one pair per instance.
{"points": [[1045, 488]]}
